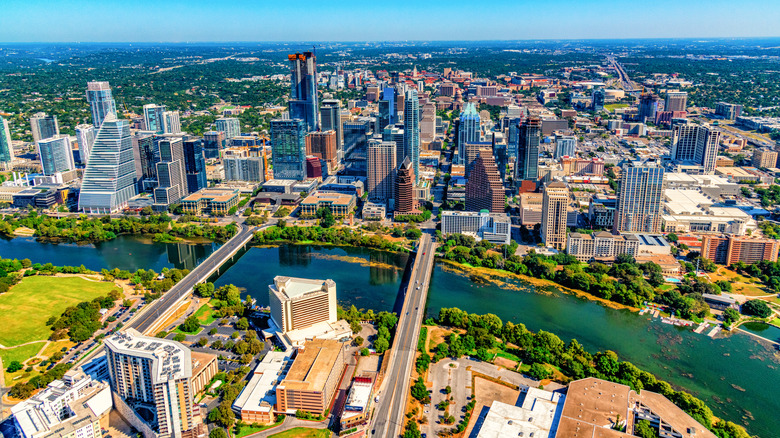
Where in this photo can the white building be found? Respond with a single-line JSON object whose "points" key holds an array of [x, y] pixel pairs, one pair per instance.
{"points": [[537, 417], [257, 401], [299, 303], [493, 227], [690, 210], [605, 247]]}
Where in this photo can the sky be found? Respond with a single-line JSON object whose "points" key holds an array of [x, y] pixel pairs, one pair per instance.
{"points": [[370, 20]]}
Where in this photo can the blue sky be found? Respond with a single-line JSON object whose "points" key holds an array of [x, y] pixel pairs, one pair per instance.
{"points": [[348, 20]]}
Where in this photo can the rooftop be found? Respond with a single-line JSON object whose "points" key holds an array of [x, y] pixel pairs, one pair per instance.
{"points": [[313, 365], [537, 417], [260, 393], [292, 287], [170, 359]]}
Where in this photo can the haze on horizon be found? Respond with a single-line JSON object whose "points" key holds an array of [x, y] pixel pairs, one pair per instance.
{"points": [[350, 20]]}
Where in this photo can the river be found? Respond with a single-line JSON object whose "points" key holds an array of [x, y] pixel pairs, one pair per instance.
{"points": [[735, 375]]}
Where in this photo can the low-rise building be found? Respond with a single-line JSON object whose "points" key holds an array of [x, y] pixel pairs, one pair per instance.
{"points": [[690, 210], [210, 201], [537, 416], [313, 378], [604, 247], [341, 205], [257, 401], [357, 408], [493, 227], [530, 208], [372, 211], [204, 368]]}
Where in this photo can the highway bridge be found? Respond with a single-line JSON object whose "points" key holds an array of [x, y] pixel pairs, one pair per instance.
{"points": [[161, 309], [389, 417]]}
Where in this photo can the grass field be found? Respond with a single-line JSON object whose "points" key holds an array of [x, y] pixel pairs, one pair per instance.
{"points": [[612, 106], [205, 315], [303, 432], [739, 284], [248, 430], [38, 298], [20, 353]]}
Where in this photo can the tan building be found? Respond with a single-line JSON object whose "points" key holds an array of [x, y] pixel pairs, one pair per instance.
{"points": [[299, 303], [322, 144], [722, 161], [210, 201], [765, 158], [530, 208], [381, 171], [341, 205], [729, 249], [204, 368], [555, 203], [313, 378]]}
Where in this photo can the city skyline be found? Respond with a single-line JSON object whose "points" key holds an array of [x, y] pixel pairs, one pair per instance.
{"points": [[61, 21]]}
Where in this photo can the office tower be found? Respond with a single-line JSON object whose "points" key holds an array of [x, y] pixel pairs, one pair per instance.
{"points": [[642, 187], [565, 146], [313, 168], [156, 372], [500, 155], [171, 122], [696, 144], [299, 303], [194, 165], [239, 165], [43, 126], [288, 138], [468, 130], [109, 178], [396, 135], [100, 101], [597, 100], [303, 95], [729, 111], [230, 126], [484, 190], [412, 131], [382, 166], [514, 136], [56, 154], [555, 202], [648, 106], [213, 143], [148, 154], [527, 167], [356, 147], [85, 135], [405, 201], [330, 113], [765, 158], [322, 144], [171, 182], [154, 119], [387, 113], [6, 148], [428, 123], [472, 152], [676, 101]]}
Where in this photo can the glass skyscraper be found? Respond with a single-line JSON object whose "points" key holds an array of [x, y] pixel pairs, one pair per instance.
{"points": [[101, 101], [85, 135], [330, 113], [43, 126], [303, 95], [356, 147], [194, 165], [154, 118], [387, 113], [288, 138], [527, 167], [412, 131], [468, 130], [56, 155], [642, 187], [6, 149], [109, 178]]}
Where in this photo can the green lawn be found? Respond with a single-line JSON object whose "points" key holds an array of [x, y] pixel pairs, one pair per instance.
{"points": [[303, 432], [248, 430], [205, 315], [25, 308], [18, 353], [612, 106]]}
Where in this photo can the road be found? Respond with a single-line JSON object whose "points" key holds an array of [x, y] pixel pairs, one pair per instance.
{"points": [[389, 417], [628, 85], [184, 287]]}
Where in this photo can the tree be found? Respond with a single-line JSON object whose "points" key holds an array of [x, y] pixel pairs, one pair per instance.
{"points": [[643, 429], [217, 432], [180, 337], [14, 366], [191, 324], [381, 345], [242, 324], [326, 217], [204, 289], [730, 316], [213, 331], [202, 342], [756, 308], [420, 391], [412, 430], [539, 371], [358, 341]]}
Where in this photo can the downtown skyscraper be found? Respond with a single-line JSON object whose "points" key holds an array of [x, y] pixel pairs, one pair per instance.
{"points": [[85, 136], [639, 206], [695, 144], [412, 131], [43, 126], [109, 178], [288, 139], [100, 101], [56, 155], [6, 148], [529, 133], [303, 95], [382, 167], [468, 130]]}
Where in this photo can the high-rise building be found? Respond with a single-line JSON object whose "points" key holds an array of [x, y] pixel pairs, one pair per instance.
{"points": [[729, 111], [85, 136], [728, 249], [171, 180], [213, 143], [695, 144], [100, 101], [472, 151], [154, 119], [154, 371], [412, 131], [676, 101], [171, 122], [6, 148], [597, 100], [356, 135], [484, 190], [428, 123], [330, 113], [56, 154], [468, 130], [230, 126], [565, 146], [148, 154], [194, 165], [288, 138], [765, 158], [648, 106], [642, 187], [299, 303], [240, 166], [527, 167], [405, 201], [322, 144], [303, 95], [555, 203], [387, 113], [382, 166], [396, 135], [109, 178], [44, 126]]}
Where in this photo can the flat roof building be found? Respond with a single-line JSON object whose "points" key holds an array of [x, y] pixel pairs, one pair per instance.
{"points": [[341, 205], [729, 249], [210, 201], [313, 378], [537, 417], [257, 401], [299, 303], [493, 227]]}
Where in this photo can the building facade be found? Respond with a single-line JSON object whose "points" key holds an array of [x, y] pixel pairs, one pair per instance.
{"points": [[6, 147], [214, 201], [412, 131], [405, 201], [303, 92], [171, 179], [493, 227], [56, 154], [341, 205], [299, 303], [641, 193], [194, 165], [676, 101], [101, 102], [44, 126], [313, 378], [229, 126], [154, 118], [484, 190], [555, 203], [565, 146], [696, 144], [288, 138], [381, 171], [729, 249], [323, 145], [468, 130], [85, 136], [528, 136], [765, 158]]}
